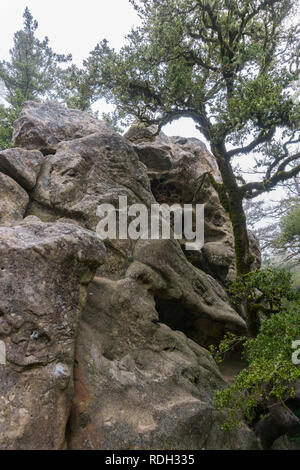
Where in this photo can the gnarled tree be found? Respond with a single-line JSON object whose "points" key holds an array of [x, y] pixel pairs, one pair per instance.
{"points": [[228, 65]]}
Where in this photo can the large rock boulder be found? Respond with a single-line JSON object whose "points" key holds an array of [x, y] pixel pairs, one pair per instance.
{"points": [[176, 167], [89, 171], [100, 167], [21, 165], [43, 272], [42, 126], [14, 201], [140, 384], [142, 378]]}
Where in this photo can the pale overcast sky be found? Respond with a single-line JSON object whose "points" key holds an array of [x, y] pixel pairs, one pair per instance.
{"points": [[72, 25], [76, 26]]}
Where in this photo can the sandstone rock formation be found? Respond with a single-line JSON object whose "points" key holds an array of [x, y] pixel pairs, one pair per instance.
{"points": [[176, 167], [21, 165], [43, 270], [123, 367], [14, 200], [44, 126]]}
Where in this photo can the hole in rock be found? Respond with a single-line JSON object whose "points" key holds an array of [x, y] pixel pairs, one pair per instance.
{"points": [[48, 151], [168, 192], [200, 329]]}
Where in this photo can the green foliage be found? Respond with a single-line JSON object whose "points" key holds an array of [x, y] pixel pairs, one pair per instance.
{"points": [[7, 117], [295, 270], [189, 55], [33, 70], [264, 285], [290, 227], [75, 88], [262, 101], [271, 373], [229, 343]]}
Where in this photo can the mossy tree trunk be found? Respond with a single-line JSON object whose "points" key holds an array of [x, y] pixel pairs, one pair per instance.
{"points": [[232, 200]]}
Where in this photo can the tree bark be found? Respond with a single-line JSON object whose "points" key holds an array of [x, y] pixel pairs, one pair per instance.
{"points": [[234, 199]]}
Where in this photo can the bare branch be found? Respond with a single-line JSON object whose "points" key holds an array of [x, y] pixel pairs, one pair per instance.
{"points": [[260, 139], [251, 190]]}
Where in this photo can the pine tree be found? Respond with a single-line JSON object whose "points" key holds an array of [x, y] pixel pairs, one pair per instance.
{"points": [[34, 69]]}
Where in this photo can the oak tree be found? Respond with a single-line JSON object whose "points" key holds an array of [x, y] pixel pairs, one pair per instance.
{"points": [[227, 64]]}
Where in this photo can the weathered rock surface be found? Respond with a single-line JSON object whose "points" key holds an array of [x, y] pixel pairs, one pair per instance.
{"points": [[43, 269], [21, 165], [176, 167], [43, 126], [90, 171], [138, 383], [14, 201], [99, 168], [142, 379], [286, 443]]}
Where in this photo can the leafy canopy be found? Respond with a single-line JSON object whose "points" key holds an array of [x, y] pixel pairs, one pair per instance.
{"points": [[271, 374], [227, 64], [34, 69], [265, 288]]}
